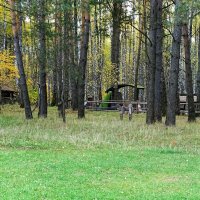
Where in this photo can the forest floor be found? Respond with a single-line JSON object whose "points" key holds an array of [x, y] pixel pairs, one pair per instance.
{"points": [[99, 157]]}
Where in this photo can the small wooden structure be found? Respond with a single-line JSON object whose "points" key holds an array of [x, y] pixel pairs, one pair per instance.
{"points": [[8, 95], [114, 98], [184, 104], [116, 95]]}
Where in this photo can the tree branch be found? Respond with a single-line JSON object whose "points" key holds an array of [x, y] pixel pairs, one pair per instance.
{"points": [[141, 33], [8, 8], [167, 6]]}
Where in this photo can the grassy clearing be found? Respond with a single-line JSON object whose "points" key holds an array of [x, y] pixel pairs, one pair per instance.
{"points": [[99, 157]]}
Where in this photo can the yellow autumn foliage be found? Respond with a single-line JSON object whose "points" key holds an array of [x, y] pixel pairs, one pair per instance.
{"points": [[8, 71], [5, 18]]}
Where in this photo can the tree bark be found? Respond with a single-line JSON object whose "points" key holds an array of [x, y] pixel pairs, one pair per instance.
{"points": [[54, 85], [198, 72], [159, 64], [152, 63], [83, 57], [18, 54], [145, 43], [115, 47], [74, 66], [174, 69], [163, 95], [99, 49], [59, 59], [0, 98], [54, 101], [4, 45], [66, 58], [42, 61], [189, 82], [138, 59]]}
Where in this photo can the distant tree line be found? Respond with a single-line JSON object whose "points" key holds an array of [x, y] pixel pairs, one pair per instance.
{"points": [[68, 50]]}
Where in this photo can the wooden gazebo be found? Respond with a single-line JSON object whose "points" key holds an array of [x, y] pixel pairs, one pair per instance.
{"points": [[116, 95], [8, 94]]}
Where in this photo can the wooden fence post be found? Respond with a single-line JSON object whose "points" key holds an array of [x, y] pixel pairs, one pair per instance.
{"points": [[122, 111], [130, 111]]}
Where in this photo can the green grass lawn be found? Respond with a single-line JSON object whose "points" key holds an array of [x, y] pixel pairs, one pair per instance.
{"points": [[99, 157]]}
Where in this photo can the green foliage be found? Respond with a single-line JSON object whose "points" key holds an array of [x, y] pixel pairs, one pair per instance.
{"points": [[33, 94], [107, 70]]}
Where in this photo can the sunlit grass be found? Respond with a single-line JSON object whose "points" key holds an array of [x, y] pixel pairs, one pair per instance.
{"points": [[98, 130], [99, 157]]}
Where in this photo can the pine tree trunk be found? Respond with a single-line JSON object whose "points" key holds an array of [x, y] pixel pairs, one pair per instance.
{"points": [[189, 82], [0, 98], [54, 101], [59, 60], [21, 101], [163, 95], [145, 42], [133, 67], [99, 49], [74, 68], [42, 61], [66, 59], [115, 47], [83, 58], [100, 60], [159, 64], [4, 29], [152, 63], [198, 72], [138, 60], [18, 54], [54, 85], [174, 70]]}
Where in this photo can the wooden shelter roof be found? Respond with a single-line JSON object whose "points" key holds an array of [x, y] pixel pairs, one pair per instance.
{"points": [[6, 88], [123, 85]]}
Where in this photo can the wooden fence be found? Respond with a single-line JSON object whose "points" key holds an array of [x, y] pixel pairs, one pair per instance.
{"points": [[138, 107], [184, 108], [116, 105]]}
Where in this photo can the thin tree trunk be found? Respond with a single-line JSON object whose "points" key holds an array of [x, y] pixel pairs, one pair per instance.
{"points": [[138, 59], [42, 61], [18, 54], [163, 95], [159, 64], [49, 90], [4, 29], [133, 67], [54, 101], [21, 99], [100, 60], [66, 60], [145, 42], [198, 72], [74, 68], [115, 47], [54, 84], [99, 53], [0, 98], [83, 57], [189, 82], [174, 70], [59, 60]]}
